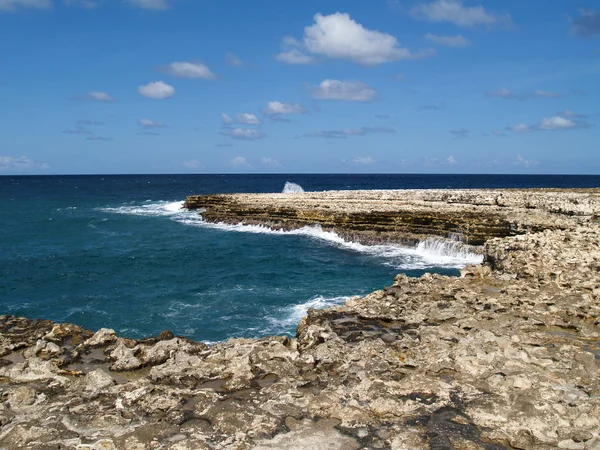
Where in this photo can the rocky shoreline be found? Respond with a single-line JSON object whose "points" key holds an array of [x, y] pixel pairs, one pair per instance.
{"points": [[505, 356]]}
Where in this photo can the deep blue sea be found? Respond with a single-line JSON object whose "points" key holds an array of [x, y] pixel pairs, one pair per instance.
{"points": [[117, 251]]}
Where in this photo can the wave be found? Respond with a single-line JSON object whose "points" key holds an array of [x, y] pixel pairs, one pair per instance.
{"points": [[433, 252], [290, 315], [163, 208], [291, 188]]}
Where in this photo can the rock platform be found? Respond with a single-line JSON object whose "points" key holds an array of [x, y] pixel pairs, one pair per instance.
{"points": [[506, 356]]}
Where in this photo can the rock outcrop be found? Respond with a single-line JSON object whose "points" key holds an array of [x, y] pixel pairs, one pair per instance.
{"points": [[506, 356]]}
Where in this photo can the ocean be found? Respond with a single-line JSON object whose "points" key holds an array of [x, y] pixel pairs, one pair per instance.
{"points": [[118, 251]]}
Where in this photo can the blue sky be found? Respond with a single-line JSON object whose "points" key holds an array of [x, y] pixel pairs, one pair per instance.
{"points": [[220, 86]]}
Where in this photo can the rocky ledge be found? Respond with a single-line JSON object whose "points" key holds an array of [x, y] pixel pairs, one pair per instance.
{"points": [[505, 356]]}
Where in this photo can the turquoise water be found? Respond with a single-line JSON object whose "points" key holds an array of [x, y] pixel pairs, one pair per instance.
{"points": [[118, 252]]}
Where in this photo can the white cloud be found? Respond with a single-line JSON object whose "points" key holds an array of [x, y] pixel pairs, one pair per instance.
{"points": [[545, 94], [453, 11], [294, 56], [449, 41], [9, 164], [248, 119], [363, 160], [337, 36], [451, 160], [277, 109], [521, 128], [556, 123], [147, 123], [186, 69], [352, 91], [245, 118], [240, 161], [233, 60], [498, 133], [243, 134], [12, 5], [157, 90], [94, 96], [157, 5], [267, 161]]}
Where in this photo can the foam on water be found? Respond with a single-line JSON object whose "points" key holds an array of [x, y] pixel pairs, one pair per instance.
{"points": [[432, 252], [290, 188], [163, 208], [291, 315]]}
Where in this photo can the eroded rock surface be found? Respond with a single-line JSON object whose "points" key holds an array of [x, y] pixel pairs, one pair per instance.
{"points": [[505, 356]]}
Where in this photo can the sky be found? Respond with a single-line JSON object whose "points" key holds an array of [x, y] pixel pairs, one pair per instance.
{"points": [[222, 86]]}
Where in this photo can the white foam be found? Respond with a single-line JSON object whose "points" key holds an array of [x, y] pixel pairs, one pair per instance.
{"points": [[432, 252], [164, 208], [291, 188], [291, 315]]}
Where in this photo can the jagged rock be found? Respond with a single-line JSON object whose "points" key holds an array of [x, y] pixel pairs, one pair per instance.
{"points": [[102, 337]]}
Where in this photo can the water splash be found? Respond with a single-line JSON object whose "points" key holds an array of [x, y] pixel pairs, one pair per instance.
{"points": [[291, 188]]}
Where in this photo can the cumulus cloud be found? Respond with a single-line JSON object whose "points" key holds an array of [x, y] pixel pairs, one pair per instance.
{"points": [[337, 36], [243, 134], [449, 41], [351, 91], [186, 69], [240, 161], [10, 164], [277, 109], [233, 60], [555, 123], [340, 134], [587, 24], [450, 159], [13, 5], [94, 96], [455, 12], [147, 123], [157, 90], [363, 160], [244, 118], [157, 5]]}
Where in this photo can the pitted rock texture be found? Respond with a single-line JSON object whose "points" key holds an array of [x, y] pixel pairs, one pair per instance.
{"points": [[506, 356], [407, 216]]}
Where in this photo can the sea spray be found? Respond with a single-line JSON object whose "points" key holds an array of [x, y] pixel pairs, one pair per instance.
{"points": [[291, 188]]}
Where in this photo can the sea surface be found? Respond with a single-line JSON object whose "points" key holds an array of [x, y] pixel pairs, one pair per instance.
{"points": [[118, 251]]}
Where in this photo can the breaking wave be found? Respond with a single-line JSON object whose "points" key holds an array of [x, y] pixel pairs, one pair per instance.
{"points": [[291, 188], [289, 316], [433, 252]]}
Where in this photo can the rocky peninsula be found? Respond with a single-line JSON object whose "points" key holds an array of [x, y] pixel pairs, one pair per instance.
{"points": [[506, 356]]}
